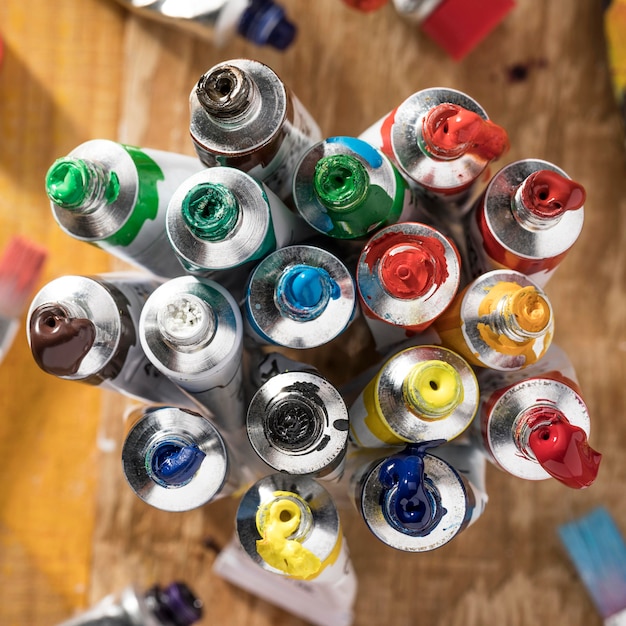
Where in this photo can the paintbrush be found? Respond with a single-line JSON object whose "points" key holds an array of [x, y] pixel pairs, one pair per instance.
{"points": [[597, 549], [20, 269]]}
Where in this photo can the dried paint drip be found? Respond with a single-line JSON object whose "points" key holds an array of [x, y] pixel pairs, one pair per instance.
{"points": [[409, 266], [450, 131], [548, 195], [561, 448], [59, 342]]}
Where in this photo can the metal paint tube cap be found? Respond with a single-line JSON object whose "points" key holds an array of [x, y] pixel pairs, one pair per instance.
{"points": [[174, 459], [74, 323], [444, 488], [506, 429], [408, 274], [344, 188], [508, 322], [440, 175], [292, 516], [191, 330], [404, 386], [210, 211], [516, 210], [278, 318], [341, 182], [297, 422], [224, 91], [433, 389]]}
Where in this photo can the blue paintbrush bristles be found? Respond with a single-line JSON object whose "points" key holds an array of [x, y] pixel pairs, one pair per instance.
{"points": [[598, 552]]}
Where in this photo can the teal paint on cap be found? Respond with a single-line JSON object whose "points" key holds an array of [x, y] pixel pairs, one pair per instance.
{"points": [[210, 211]]}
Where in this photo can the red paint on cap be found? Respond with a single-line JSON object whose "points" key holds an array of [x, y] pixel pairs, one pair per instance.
{"points": [[562, 449], [548, 194], [451, 131], [409, 265]]}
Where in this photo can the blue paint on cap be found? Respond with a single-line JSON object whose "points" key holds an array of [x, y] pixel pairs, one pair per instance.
{"points": [[174, 464], [305, 288], [360, 147], [303, 291], [408, 505], [264, 23]]}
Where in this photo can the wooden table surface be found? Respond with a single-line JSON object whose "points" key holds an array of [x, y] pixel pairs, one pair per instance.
{"points": [[71, 531]]}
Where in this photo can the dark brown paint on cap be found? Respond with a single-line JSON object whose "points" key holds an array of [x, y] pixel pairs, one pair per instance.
{"points": [[59, 342]]}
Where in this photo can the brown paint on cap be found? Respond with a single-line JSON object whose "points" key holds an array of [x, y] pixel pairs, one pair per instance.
{"points": [[59, 342]]}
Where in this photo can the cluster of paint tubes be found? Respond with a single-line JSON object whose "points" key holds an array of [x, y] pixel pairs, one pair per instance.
{"points": [[276, 236]]}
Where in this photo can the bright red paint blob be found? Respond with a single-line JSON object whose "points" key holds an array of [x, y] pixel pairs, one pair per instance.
{"points": [[562, 449], [548, 194], [450, 131], [409, 265]]}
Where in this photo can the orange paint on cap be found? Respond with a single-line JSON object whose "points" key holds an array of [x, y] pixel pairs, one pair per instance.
{"points": [[450, 131], [530, 309], [525, 316]]}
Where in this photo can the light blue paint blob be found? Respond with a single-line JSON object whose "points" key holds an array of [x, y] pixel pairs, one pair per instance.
{"points": [[360, 147], [174, 465], [303, 291], [306, 288]]}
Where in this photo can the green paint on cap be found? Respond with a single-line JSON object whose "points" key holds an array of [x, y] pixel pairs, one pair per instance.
{"points": [[433, 389], [210, 211], [74, 183], [341, 182], [69, 182]]}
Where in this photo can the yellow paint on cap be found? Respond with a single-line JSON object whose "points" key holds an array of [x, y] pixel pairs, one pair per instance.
{"points": [[526, 312], [433, 389], [276, 522]]}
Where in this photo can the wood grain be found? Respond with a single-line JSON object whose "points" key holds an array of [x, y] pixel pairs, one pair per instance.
{"points": [[75, 71]]}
